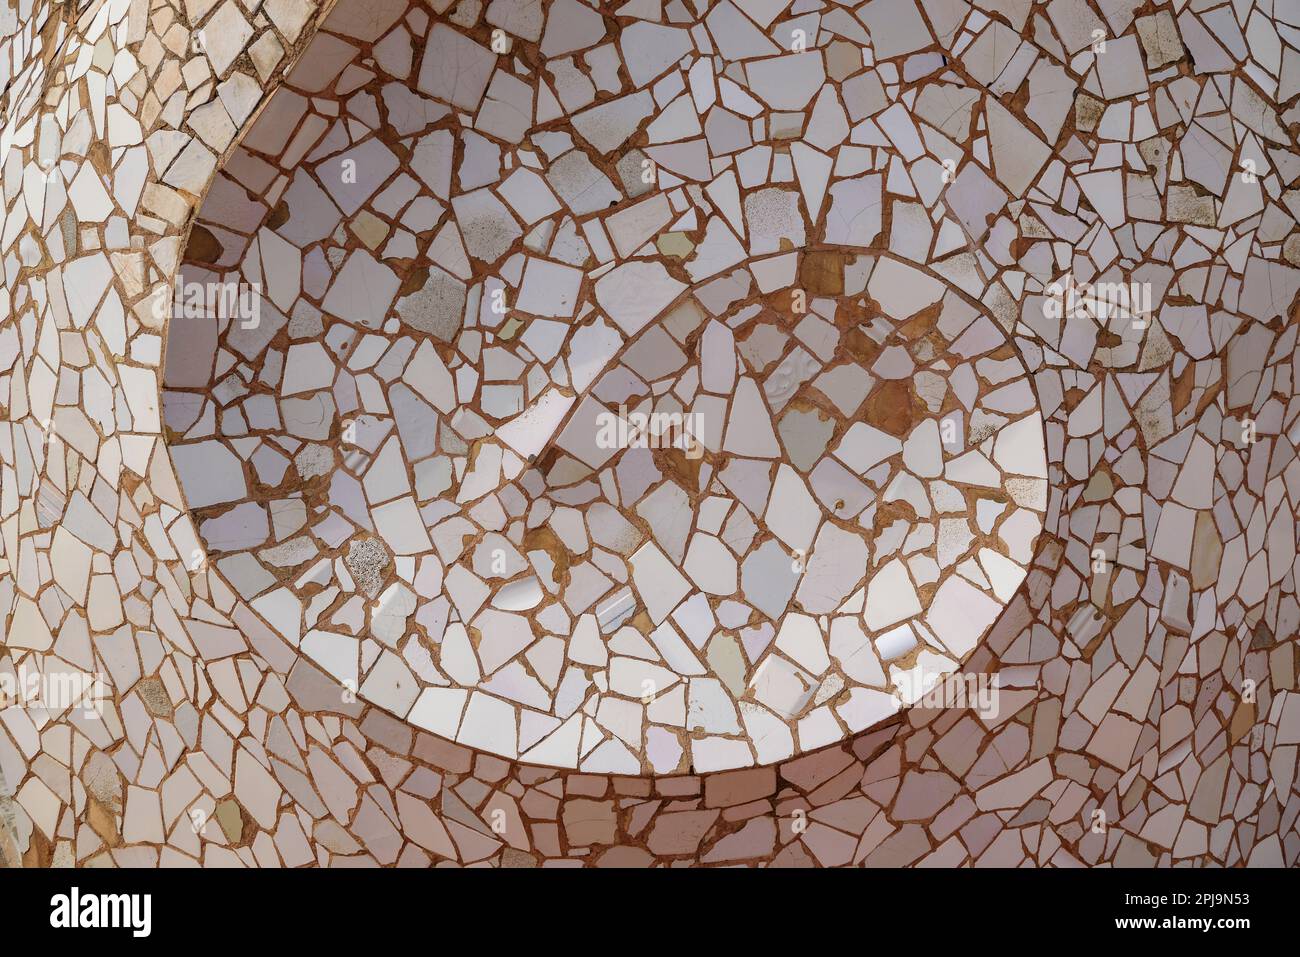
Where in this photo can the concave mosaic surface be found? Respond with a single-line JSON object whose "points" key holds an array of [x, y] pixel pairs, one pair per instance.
{"points": [[402, 464], [328, 339]]}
